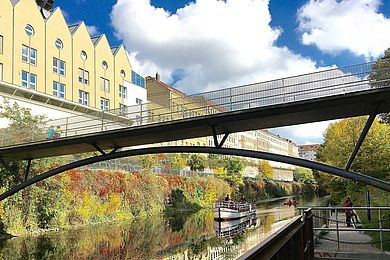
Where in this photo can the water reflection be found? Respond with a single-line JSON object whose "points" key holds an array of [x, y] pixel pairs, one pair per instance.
{"points": [[181, 237]]}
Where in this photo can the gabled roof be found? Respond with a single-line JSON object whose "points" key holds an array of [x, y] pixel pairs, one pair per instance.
{"points": [[72, 28], [14, 2], [95, 39], [115, 49]]}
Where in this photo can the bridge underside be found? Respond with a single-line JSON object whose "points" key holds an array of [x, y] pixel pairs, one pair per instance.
{"points": [[200, 149], [308, 111]]}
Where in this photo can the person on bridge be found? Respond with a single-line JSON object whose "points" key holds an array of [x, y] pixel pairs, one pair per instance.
{"points": [[50, 132], [57, 132]]}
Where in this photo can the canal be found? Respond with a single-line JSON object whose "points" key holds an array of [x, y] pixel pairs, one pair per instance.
{"points": [[183, 236]]}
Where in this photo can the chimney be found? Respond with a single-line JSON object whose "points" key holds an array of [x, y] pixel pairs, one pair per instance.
{"points": [[157, 77]]}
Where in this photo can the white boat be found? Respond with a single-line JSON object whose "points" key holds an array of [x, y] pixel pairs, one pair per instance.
{"points": [[233, 210], [234, 227]]}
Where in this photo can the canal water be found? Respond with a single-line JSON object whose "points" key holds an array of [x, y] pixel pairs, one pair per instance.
{"points": [[192, 236]]}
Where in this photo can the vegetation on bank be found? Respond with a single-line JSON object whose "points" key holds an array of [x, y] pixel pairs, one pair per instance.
{"points": [[372, 160], [80, 197]]}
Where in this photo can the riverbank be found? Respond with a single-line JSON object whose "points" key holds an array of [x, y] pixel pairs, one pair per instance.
{"points": [[84, 197], [153, 237]]}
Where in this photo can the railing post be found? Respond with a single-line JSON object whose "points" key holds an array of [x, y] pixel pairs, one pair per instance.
{"points": [[230, 97], [140, 122], [32, 133], [66, 126], [380, 229], [337, 228], [101, 129], [182, 106]]}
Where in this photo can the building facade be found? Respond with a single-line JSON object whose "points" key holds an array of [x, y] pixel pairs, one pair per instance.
{"points": [[40, 52], [167, 100], [308, 152]]}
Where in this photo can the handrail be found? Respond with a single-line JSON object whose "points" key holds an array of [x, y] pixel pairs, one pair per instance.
{"points": [[293, 241], [328, 220]]}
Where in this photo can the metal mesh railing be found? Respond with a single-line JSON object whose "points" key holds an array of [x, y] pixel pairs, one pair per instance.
{"points": [[286, 90]]}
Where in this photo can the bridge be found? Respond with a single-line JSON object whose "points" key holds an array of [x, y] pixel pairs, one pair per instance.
{"points": [[330, 94]]}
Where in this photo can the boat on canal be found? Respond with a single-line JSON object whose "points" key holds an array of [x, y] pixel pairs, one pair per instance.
{"points": [[228, 210]]}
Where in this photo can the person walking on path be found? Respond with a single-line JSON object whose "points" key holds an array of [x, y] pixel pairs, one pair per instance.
{"points": [[349, 213]]}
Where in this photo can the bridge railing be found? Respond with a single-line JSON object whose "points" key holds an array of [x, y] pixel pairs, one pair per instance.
{"points": [[324, 83], [333, 219], [292, 241]]}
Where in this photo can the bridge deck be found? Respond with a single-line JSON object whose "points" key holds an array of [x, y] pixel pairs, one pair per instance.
{"points": [[313, 110]]}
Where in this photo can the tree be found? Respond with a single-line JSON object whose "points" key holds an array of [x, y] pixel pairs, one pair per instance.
{"points": [[372, 159], [178, 162], [148, 161], [22, 127], [380, 77], [197, 162], [233, 170], [265, 170], [303, 174]]}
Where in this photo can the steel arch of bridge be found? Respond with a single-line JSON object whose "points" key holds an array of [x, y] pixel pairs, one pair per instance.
{"points": [[202, 149]]}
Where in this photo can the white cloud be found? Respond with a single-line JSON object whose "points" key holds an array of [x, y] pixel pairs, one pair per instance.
{"points": [[92, 30], [345, 25], [211, 44], [304, 134]]}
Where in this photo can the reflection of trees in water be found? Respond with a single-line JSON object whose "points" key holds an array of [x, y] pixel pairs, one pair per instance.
{"points": [[141, 239]]}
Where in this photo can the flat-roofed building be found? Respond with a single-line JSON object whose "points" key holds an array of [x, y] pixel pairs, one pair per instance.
{"points": [[308, 151]]}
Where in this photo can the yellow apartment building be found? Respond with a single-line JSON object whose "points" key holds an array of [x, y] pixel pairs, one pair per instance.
{"points": [[40, 52], [173, 104]]}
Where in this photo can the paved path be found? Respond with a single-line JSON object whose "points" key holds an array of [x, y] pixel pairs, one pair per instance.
{"points": [[358, 243]]}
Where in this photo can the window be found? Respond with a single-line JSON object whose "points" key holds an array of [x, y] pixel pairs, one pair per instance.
{"points": [[122, 91], [105, 85], [136, 79], [29, 30], [104, 65], [123, 73], [83, 76], [1, 44], [138, 101], [29, 80], [58, 89], [104, 103], [1, 71], [59, 67], [83, 55], [83, 97], [59, 44], [29, 55], [122, 108]]}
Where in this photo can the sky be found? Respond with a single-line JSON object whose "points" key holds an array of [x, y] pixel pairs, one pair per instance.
{"points": [[204, 45]]}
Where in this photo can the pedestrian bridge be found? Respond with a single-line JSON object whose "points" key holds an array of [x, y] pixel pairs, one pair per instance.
{"points": [[356, 90], [325, 95]]}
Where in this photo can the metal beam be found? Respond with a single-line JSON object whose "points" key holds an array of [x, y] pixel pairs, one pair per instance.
{"points": [[202, 149], [27, 169], [215, 136], [223, 140], [362, 136], [115, 149], [8, 168], [100, 150]]}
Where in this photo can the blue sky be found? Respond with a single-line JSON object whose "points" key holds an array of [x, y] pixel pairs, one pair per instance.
{"points": [[209, 44]]}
